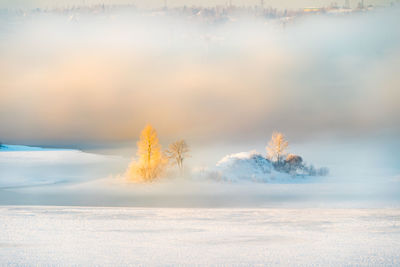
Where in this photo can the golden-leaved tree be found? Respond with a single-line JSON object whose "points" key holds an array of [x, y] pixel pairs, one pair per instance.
{"points": [[151, 161], [276, 149]]}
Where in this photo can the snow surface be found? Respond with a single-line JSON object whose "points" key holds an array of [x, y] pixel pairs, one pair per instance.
{"points": [[83, 236], [24, 166], [5, 148], [274, 222], [73, 177]]}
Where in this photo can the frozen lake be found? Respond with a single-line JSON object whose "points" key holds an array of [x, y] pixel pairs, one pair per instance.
{"points": [[84, 236]]}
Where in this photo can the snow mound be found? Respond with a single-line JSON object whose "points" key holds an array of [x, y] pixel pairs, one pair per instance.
{"points": [[244, 166]]}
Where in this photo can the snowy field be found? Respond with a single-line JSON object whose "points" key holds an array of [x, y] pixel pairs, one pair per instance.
{"points": [[346, 219], [38, 176], [81, 236]]}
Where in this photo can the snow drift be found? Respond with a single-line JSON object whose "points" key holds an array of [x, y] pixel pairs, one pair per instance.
{"points": [[244, 166], [25, 166]]}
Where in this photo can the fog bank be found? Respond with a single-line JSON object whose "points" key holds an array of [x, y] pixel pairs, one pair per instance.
{"points": [[99, 79]]}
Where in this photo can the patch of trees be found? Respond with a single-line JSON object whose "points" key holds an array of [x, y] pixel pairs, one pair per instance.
{"points": [[152, 162], [289, 163]]}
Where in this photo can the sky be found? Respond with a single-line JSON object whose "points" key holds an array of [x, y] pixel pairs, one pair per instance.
{"points": [[92, 80]]}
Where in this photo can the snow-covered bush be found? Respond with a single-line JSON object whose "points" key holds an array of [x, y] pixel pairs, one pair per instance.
{"points": [[294, 165]]}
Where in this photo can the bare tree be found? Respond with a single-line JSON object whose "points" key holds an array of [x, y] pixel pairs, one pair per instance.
{"points": [[178, 151], [276, 149]]}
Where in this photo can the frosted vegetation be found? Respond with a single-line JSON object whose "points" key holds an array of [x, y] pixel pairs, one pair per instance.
{"points": [[277, 165], [252, 166]]}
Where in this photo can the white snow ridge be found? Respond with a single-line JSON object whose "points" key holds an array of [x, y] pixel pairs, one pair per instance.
{"points": [[245, 166]]}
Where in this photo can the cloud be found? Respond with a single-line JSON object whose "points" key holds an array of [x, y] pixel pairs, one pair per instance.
{"points": [[97, 79]]}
